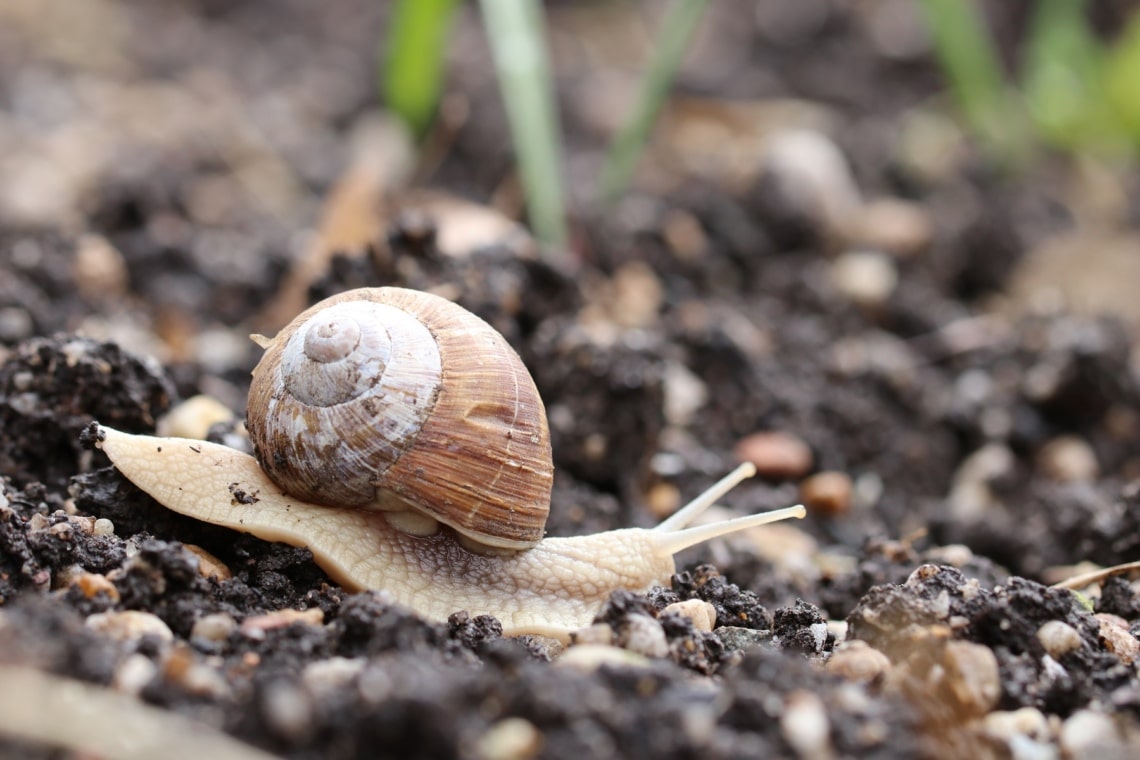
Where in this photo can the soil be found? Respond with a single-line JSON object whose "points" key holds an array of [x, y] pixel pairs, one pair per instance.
{"points": [[176, 175]]}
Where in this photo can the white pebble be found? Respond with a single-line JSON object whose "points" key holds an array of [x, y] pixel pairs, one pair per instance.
{"points": [[194, 417], [684, 394], [509, 739], [133, 674], [599, 633], [805, 725], [1068, 459], [1086, 734], [129, 625], [325, 676], [811, 171], [590, 657], [866, 277], [1026, 721], [216, 626], [1058, 638], [288, 710], [643, 635], [702, 613]]}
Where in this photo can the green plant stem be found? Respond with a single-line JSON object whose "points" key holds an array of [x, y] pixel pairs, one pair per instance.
{"points": [[515, 30], [968, 58], [678, 27], [1120, 80], [412, 70]]}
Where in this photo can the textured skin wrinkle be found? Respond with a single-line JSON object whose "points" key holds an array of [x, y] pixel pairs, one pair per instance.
{"points": [[552, 589]]}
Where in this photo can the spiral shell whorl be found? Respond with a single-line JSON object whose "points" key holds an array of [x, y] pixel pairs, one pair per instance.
{"points": [[337, 355], [345, 391], [384, 392]]}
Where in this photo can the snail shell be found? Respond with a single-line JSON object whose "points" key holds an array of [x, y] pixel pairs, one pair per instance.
{"points": [[394, 399]]}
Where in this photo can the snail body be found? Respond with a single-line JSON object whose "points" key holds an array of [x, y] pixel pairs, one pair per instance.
{"points": [[390, 515]]}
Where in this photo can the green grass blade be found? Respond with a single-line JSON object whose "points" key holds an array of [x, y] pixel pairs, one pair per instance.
{"points": [[678, 27], [1122, 80], [1063, 81], [515, 30], [966, 54], [416, 53]]}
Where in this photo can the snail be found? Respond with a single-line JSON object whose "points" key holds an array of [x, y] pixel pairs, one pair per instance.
{"points": [[401, 440]]}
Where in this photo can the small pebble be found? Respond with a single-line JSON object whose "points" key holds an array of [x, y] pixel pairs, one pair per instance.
{"points": [[1118, 639], [737, 639], [597, 634], [643, 635], [1058, 638], [776, 455], [702, 613], [133, 674], [209, 566], [971, 495], [256, 626], [92, 584], [810, 173], [509, 739], [684, 235], [325, 676], [16, 324], [866, 277], [103, 527], [663, 499], [194, 417], [129, 625], [858, 661], [1088, 734], [827, 493], [216, 626], [181, 668], [684, 393], [923, 572], [1068, 459], [99, 270], [288, 711], [973, 676], [590, 657], [955, 555], [1026, 721], [805, 725], [637, 295], [837, 629], [894, 226]]}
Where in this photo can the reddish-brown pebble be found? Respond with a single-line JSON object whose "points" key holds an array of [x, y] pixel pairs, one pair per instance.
{"points": [[256, 626], [93, 583], [776, 455], [827, 493], [209, 566], [1118, 639]]}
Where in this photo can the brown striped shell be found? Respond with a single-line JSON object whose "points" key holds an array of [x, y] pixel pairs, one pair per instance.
{"points": [[387, 398]]}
